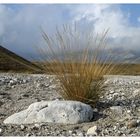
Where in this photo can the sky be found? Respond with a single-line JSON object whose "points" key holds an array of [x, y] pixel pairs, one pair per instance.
{"points": [[20, 23]]}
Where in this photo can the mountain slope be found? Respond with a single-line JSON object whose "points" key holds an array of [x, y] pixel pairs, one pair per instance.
{"points": [[11, 61]]}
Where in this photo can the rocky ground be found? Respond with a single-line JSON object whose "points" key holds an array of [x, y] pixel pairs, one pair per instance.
{"points": [[117, 113]]}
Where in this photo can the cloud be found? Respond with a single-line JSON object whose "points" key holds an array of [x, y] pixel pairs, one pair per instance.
{"points": [[20, 27], [111, 17]]}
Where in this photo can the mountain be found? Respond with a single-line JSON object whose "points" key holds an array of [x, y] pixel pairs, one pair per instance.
{"points": [[11, 61]]}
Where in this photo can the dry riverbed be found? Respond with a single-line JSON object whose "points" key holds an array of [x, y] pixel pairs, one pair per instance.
{"points": [[117, 113]]}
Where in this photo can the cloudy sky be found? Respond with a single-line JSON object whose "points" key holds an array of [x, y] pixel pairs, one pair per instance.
{"points": [[20, 24]]}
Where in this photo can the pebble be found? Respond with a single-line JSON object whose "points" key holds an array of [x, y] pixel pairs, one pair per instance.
{"points": [[1, 130], [39, 85], [28, 134], [128, 111], [136, 92], [111, 91], [24, 81], [37, 125], [52, 86], [132, 124], [70, 132], [138, 122], [22, 127], [92, 131], [13, 86], [117, 109], [80, 134]]}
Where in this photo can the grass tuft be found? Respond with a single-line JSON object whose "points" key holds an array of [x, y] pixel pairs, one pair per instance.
{"points": [[78, 61]]}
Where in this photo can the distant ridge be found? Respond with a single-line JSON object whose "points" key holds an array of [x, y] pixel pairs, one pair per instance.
{"points": [[11, 61]]}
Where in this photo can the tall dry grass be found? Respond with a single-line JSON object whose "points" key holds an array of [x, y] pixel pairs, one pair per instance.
{"points": [[75, 58]]}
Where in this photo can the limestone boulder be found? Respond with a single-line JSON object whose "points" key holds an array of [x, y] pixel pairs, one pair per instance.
{"points": [[67, 112]]}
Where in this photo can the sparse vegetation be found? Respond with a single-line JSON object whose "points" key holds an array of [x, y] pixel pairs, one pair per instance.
{"points": [[81, 75]]}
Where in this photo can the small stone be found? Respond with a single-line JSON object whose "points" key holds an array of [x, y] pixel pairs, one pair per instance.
{"points": [[12, 82], [111, 91], [109, 97], [123, 128], [81, 134], [24, 81], [22, 127], [28, 134], [123, 134], [92, 131], [136, 92], [52, 86], [138, 121], [70, 132], [37, 125], [117, 109], [133, 106], [39, 85], [115, 127], [116, 94], [1, 130], [85, 127], [74, 134], [47, 85], [95, 110], [123, 94], [128, 111], [132, 124]]}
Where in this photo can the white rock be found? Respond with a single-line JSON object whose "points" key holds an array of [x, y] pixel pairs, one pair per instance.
{"points": [[13, 86], [22, 127], [28, 134], [37, 125], [0, 130], [128, 111], [122, 94], [116, 109], [24, 81], [109, 97], [39, 85], [67, 112], [92, 131], [70, 132], [111, 91], [136, 92], [52, 86], [80, 134], [116, 94], [11, 82]]}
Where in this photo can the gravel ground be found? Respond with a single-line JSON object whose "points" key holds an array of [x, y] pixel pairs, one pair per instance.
{"points": [[117, 113]]}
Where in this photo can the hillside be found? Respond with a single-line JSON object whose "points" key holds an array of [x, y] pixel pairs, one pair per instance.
{"points": [[10, 61]]}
